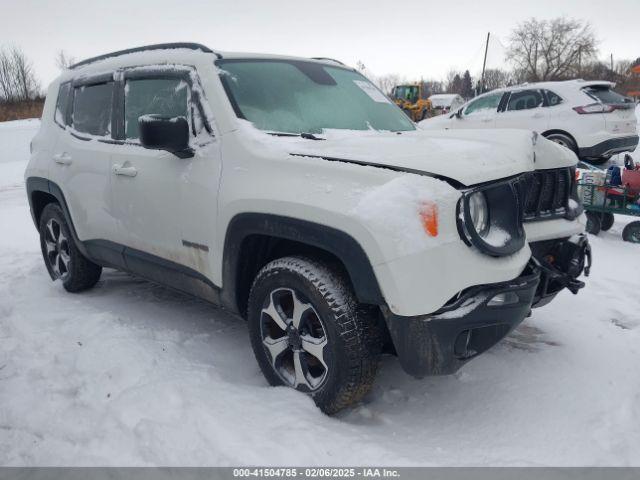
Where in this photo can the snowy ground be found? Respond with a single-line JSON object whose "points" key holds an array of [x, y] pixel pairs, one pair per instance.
{"points": [[131, 373]]}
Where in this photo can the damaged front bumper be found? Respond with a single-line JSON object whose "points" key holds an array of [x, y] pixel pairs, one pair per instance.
{"points": [[481, 316]]}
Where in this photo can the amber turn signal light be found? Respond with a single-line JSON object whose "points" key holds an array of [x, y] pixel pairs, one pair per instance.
{"points": [[429, 218]]}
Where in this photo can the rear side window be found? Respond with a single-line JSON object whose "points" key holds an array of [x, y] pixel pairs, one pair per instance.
{"points": [[62, 104], [525, 100], [92, 109], [553, 99], [605, 95], [157, 96]]}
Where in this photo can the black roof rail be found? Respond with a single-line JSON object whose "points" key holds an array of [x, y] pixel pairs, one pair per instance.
{"points": [[158, 46], [327, 58]]}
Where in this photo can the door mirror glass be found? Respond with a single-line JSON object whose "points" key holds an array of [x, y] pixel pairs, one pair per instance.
{"points": [[159, 132]]}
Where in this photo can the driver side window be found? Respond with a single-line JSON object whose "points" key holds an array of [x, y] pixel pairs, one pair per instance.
{"points": [[484, 104], [156, 96]]}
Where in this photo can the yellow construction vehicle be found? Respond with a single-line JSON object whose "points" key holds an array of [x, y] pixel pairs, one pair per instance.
{"points": [[413, 100]]}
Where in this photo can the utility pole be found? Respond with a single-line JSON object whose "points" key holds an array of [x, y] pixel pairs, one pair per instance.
{"points": [[612, 62], [484, 63]]}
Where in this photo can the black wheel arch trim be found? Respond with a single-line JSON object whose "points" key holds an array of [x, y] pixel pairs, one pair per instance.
{"points": [[39, 184], [338, 243]]}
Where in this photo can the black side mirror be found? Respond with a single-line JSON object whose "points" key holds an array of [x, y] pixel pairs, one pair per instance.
{"points": [[458, 113], [158, 132]]}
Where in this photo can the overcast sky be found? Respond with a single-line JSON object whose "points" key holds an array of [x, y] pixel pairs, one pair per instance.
{"points": [[415, 38]]}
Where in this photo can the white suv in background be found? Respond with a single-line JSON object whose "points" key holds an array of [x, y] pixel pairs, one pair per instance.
{"points": [[295, 194], [587, 117]]}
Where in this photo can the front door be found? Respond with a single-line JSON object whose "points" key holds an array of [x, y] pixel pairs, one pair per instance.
{"points": [[479, 113], [152, 193]]}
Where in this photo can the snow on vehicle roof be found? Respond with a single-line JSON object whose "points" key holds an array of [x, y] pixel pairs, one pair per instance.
{"points": [[577, 83], [444, 96], [443, 99], [170, 53]]}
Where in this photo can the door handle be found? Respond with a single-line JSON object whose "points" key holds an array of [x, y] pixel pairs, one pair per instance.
{"points": [[62, 158], [487, 120], [126, 171], [537, 115]]}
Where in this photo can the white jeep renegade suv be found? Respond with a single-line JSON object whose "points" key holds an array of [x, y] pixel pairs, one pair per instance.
{"points": [[587, 117], [295, 194]]}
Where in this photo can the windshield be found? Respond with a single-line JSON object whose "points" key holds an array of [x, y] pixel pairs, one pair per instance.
{"points": [[292, 96], [406, 92]]}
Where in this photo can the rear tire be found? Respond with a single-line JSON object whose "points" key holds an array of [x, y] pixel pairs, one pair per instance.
{"points": [[606, 221], [593, 223], [564, 140], [309, 333], [61, 255], [631, 232], [597, 161]]}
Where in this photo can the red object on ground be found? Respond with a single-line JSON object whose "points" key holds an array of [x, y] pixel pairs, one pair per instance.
{"points": [[631, 180]]}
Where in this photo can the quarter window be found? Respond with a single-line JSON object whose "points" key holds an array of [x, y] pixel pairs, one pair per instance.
{"points": [[525, 100], [62, 104], [157, 96], [488, 102], [553, 98], [92, 109]]}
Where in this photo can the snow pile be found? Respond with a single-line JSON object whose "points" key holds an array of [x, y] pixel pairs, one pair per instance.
{"points": [[15, 137], [392, 210]]}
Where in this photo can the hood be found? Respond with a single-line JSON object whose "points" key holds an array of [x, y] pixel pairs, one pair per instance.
{"points": [[466, 156]]}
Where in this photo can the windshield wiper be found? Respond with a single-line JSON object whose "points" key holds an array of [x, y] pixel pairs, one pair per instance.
{"points": [[305, 135]]}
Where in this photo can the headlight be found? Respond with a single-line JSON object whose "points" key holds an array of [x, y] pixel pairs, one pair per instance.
{"points": [[490, 217], [479, 212]]}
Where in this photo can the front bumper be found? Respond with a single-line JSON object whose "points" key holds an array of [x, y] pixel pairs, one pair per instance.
{"points": [[610, 147], [440, 343], [479, 317]]}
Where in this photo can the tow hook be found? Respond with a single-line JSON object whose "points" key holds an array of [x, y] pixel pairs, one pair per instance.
{"points": [[571, 258]]}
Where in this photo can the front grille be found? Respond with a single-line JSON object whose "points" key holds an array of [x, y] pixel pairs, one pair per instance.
{"points": [[547, 193]]}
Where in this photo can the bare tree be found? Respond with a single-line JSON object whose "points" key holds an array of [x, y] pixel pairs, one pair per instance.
{"points": [[497, 78], [551, 49], [17, 77], [63, 60], [387, 82]]}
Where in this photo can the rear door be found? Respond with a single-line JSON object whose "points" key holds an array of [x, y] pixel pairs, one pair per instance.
{"points": [[524, 109], [479, 113], [81, 161]]}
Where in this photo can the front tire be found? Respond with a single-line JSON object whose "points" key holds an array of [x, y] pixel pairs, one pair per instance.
{"points": [[309, 333], [61, 255]]}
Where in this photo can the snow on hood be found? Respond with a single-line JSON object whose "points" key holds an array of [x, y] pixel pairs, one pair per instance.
{"points": [[467, 156]]}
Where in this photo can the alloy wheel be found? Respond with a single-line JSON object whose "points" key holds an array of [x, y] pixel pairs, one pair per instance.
{"points": [[294, 338], [57, 249]]}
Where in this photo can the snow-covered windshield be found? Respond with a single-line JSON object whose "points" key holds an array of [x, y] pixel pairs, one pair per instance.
{"points": [[293, 96]]}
